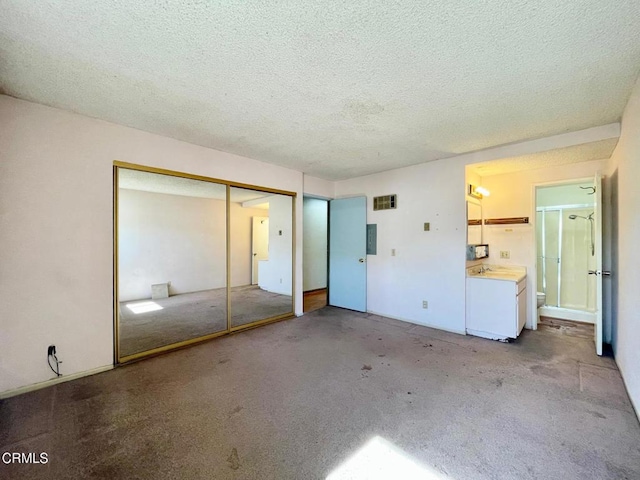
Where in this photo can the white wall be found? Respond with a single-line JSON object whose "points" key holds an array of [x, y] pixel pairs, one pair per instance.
{"points": [[512, 195], [428, 265], [170, 238], [624, 169], [558, 195], [56, 207], [315, 223], [318, 187], [275, 274]]}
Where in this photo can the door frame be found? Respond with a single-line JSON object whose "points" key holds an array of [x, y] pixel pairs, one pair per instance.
{"points": [[327, 200], [533, 296]]}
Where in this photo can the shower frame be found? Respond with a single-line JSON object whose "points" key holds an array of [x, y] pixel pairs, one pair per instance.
{"points": [[561, 209]]}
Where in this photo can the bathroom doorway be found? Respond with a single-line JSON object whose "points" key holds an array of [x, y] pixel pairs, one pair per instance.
{"points": [[568, 255]]}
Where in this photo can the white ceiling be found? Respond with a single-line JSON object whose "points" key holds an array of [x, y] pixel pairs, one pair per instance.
{"points": [[334, 89], [560, 156]]}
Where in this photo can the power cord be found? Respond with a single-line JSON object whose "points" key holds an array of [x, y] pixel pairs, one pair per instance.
{"points": [[51, 352]]}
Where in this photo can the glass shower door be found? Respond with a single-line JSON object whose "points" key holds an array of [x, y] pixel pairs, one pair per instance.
{"points": [[551, 256]]}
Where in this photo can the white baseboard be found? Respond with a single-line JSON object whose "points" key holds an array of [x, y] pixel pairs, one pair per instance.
{"points": [[437, 327], [53, 381]]}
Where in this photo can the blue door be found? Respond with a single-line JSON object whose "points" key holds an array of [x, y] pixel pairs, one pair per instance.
{"points": [[348, 253]]}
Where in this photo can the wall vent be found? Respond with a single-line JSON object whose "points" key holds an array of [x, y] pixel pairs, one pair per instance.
{"points": [[385, 202]]}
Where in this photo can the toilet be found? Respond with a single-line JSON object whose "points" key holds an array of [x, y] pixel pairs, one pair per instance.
{"points": [[541, 299]]}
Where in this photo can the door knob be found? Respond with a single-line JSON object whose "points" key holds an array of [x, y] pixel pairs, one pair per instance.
{"points": [[361, 260], [606, 273], [593, 272]]}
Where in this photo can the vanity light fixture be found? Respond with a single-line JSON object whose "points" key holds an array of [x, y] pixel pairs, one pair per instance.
{"points": [[476, 191]]}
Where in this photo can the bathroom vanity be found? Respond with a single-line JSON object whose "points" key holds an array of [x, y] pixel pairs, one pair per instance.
{"points": [[496, 301]]}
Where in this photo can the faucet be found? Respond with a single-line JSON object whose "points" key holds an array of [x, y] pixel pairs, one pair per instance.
{"points": [[484, 268]]}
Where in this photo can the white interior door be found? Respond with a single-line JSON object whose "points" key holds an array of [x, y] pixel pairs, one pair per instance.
{"points": [[259, 245], [348, 253], [597, 199]]}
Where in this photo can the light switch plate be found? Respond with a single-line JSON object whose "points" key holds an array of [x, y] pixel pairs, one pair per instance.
{"points": [[505, 254], [427, 226]]}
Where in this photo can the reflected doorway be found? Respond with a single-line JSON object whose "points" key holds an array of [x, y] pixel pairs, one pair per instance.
{"points": [[259, 245]]}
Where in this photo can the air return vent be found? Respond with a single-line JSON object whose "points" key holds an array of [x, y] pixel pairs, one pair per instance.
{"points": [[385, 202]]}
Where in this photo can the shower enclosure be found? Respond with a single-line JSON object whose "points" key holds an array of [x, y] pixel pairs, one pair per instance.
{"points": [[565, 254]]}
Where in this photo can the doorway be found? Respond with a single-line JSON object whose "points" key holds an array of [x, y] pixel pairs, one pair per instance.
{"points": [[569, 257], [315, 253], [259, 246]]}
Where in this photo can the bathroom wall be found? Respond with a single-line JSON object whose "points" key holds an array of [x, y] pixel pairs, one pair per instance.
{"points": [[513, 195]]}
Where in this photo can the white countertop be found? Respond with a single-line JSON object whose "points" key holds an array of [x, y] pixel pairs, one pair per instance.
{"points": [[497, 272]]}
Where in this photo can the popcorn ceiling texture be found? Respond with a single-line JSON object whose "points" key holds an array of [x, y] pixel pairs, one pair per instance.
{"points": [[585, 152], [333, 89]]}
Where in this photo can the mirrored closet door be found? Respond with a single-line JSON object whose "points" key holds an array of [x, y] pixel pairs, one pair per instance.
{"points": [[196, 258], [172, 261], [261, 241]]}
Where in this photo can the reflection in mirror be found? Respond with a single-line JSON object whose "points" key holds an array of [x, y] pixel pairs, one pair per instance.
{"points": [[261, 233], [172, 260], [474, 223]]}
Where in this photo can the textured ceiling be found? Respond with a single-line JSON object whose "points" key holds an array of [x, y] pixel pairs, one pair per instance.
{"points": [[170, 185], [334, 89], [560, 156]]}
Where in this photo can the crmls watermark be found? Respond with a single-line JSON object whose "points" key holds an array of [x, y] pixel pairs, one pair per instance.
{"points": [[15, 457]]}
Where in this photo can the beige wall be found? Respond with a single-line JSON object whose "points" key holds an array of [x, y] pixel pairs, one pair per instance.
{"points": [[56, 209], [624, 170]]}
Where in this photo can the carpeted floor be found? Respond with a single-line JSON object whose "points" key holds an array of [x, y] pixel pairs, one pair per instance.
{"points": [[338, 392], [193, 315]]}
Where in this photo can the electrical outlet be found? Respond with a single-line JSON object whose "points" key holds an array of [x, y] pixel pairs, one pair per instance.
{"points": [[425, 304], [505, 254], [51, 350], [427, 226]]}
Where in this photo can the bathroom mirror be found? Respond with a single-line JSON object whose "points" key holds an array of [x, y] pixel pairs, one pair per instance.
{"points": [[474, 223]]}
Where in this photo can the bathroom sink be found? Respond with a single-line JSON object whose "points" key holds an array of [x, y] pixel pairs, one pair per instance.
{"points": [[501, 275], [513, 274]]}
